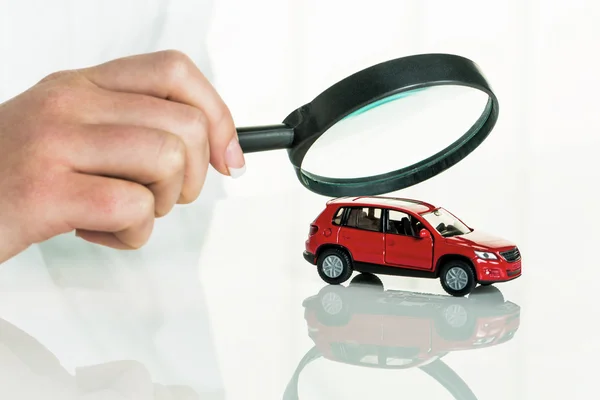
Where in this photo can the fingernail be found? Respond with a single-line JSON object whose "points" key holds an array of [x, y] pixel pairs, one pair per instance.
{"points": [[234, 158]]}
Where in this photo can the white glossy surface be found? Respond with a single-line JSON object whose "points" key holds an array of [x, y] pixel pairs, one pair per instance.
{"points": [[112, 347]]}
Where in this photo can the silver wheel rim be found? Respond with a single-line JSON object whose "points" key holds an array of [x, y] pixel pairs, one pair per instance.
{"points": [[456, 315], [333, 266], [456, 278], [331, 303]]}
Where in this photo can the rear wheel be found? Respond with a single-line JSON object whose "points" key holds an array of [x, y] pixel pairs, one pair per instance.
{"points": [[334, 266], [457, 278]]}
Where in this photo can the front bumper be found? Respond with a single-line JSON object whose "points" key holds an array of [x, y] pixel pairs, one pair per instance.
{"points": [[310, 257], [495, 272]]}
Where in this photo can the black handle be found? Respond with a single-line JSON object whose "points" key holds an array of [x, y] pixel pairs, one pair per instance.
{"points": [[264, 138]]}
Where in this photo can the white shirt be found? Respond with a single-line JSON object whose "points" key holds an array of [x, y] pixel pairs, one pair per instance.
{"points": [[85, 303]]}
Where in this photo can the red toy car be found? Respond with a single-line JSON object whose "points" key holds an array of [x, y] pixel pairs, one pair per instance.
{"points": [[393, 236]]}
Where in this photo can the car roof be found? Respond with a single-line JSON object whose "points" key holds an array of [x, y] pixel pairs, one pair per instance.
{"points": [[416, 206]]}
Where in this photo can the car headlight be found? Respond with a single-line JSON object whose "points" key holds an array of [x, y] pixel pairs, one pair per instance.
{"points": [[486, 255]]}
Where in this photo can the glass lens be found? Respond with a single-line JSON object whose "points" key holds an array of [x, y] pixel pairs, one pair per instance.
{"points": [[395, 132]]}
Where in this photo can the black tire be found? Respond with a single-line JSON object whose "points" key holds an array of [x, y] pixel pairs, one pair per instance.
{"points": [[462, 266], [346, 263]]}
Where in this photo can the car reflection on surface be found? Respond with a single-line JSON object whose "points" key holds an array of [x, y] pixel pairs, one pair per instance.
{"points": [[365, 325]]}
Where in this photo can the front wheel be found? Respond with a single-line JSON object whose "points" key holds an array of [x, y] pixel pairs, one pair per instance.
{"points": [[334, 266], [457, 278]]}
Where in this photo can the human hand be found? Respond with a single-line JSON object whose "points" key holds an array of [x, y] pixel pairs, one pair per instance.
{"points": [[107, 149]]}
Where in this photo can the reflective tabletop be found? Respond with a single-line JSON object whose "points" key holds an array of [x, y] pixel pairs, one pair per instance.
{"points": [[251, 319], [323, 341], [347, 341]]}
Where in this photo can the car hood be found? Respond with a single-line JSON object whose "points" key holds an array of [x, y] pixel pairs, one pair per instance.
{"points": [[481, 239]]}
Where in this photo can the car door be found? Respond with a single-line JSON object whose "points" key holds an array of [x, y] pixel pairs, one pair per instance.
{"points": [[403, 246], [362, 234]]}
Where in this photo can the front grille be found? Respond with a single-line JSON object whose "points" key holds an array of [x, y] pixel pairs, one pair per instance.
{"points": [[511, 255]]}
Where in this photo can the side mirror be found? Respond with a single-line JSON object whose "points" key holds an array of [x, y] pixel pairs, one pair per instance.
{"points": [[423, 233]]}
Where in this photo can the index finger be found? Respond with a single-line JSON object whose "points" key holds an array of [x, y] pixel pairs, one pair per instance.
{"points": [[173, 76]]}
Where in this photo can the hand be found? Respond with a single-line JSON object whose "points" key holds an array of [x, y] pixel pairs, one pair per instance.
{"points": [[107, 149]]}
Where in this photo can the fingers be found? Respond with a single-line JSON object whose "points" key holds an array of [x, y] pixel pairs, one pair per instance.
{"points": [[189, 123], [107, 211], [172, 75], [150, 157]]}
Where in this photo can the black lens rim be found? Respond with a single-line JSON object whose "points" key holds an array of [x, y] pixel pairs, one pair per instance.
{"points": [[375, 83]]}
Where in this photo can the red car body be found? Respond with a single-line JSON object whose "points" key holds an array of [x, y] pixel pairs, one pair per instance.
{"points": [[406, 237]]}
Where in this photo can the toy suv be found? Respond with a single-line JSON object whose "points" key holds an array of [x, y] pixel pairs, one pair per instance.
{"points": [[393, 236]]}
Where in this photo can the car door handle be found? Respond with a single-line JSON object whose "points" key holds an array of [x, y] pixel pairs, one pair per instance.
{"points": [[391, 242]]}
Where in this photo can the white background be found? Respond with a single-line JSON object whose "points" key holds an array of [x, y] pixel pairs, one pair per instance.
{"points": [[533, 181]]}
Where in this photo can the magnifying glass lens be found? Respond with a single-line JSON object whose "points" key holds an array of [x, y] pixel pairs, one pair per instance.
{"points": [[396, 132], [385, 128]]}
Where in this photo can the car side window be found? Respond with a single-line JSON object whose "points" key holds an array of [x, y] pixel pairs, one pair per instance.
{"points": [[337, 219], [399, 223], [366, 218]]}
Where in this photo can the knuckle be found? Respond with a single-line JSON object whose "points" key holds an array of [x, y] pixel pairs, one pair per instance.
{"points": [[191, 193], [57, 76], [140, 227], [141, 202], [160, 212], [128, 199], [197, 120], [193, 189], [65, 77], [197, 125], [174, 64], [162, 207], [139, 240], [110, 204], [145, 204], [171, 156], [137, 244]]}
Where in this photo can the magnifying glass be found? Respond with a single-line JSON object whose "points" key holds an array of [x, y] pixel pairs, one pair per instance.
{"points": [[373, 132]]}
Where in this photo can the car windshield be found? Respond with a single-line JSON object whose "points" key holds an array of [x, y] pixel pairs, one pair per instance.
{"points": [[446, 223]]}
